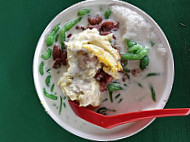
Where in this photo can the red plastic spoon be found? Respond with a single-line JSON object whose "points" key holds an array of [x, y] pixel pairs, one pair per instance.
{"points": [[115, 120]]}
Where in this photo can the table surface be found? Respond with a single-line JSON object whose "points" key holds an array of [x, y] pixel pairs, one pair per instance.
{"points": [[22, 117]]}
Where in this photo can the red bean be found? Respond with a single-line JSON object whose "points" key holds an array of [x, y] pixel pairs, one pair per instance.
{"points": [[57, 63], [95, 20], [107, 25], [56, 52], [116, 27], [114, 37], [135, 72], [69, 35], [99, 75], [98, 27], [83, 28], [77, 27], [105, 33], [104, 84], [64, 58], [80, 27], [103, 78], [123, 78]]}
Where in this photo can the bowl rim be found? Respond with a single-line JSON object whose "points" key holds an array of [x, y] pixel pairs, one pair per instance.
{"points": [[44, 104]]}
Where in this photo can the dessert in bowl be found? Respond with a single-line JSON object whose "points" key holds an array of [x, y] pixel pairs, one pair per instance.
{"points": [[105, 54]]}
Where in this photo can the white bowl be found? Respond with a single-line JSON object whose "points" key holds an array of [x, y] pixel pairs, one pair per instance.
{"points": [[67, 119]]}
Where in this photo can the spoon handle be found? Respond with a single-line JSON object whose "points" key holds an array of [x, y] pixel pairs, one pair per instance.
{"points": [[116, 120]]}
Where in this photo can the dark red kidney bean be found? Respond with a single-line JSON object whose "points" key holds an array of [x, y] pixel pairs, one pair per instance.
{"points": [[114, 37], [105, 33], [95, 20], [77, 27], [103, 78], [104, 84], [64, 62], [64, 58], [80, 27], [99, 75], [69, 35], [56, 52], [98, 27], [116, 27], [57, 63], [134, 72], [83, 28], [123, 78], [107, 25]]}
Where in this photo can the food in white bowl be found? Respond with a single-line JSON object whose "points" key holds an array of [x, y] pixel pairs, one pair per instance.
{"points": [[108, 56], [102, 50]]}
